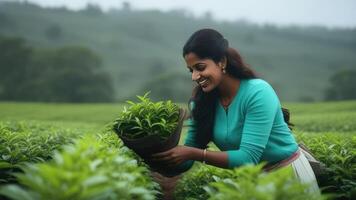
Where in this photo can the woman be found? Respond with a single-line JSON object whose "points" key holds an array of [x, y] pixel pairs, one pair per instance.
{"points": [[237, 111]]}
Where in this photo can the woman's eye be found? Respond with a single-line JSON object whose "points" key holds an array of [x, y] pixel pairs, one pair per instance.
{"points": [[200, 67]]}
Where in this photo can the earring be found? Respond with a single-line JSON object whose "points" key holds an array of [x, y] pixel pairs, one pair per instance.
{"points": [[224, 70]]}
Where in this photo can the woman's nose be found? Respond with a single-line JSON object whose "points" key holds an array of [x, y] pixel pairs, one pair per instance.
{"points": [[195, 76]]}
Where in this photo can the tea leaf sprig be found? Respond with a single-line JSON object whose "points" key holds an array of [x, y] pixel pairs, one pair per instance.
{"points": [[147, 118]]}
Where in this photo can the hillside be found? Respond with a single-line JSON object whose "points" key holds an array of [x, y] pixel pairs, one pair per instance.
{"points": [[142, 49]]}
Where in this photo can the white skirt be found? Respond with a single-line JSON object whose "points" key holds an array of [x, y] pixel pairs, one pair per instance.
{"points": [[304, 172]]}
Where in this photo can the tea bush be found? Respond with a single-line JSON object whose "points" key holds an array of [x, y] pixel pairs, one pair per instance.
{"points": [[191, 185], [28, 142], [321, 107], [110, 138], [338, 152], [328, 129], [248, 182], [325, 122], [324, 116], [90, 169]]}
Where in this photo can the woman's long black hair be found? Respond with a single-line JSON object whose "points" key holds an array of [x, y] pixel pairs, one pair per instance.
{"points": [[210, 44]]}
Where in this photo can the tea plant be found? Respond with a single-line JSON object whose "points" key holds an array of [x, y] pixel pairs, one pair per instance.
{"points": [[248, 182], [191, 186], [24, 142], [322, 107], [110, 139], [90, 169], [338, 153], [325, 122], [324, 117], [147, 118]]}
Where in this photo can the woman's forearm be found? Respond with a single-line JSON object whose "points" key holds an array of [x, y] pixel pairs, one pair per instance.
{"points": [[216, 158]]}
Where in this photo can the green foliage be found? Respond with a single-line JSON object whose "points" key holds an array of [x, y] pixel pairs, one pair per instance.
{"points": [[131, 40], [324, 117], [53, 32], [336, 149], [338, 153], [343, 86], [111, 140], [92, 10], [67, 74], [22, 143], [248, 182], [191, 186], [147, 118], [15, 57], [90, 169], [326, 122]]}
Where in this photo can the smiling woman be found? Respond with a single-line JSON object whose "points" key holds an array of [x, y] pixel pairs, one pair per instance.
{"points": [[240, 113]]}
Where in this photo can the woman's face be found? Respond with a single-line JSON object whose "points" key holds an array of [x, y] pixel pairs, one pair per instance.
{"points": [[205, 72]]}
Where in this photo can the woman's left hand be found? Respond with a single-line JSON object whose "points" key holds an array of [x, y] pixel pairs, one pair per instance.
{"points": [[174, 156]]}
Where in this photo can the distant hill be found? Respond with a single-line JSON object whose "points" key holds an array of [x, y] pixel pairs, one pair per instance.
{"points": [[142, 49]]}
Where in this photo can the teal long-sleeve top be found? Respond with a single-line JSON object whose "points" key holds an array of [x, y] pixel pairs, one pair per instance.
{"points": [[252, 129]]}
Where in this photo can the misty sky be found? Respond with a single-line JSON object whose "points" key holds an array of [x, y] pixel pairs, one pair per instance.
{"points": [[331, 13]]}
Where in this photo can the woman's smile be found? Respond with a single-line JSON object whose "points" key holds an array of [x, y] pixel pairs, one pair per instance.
{"points": [[203, 82]]}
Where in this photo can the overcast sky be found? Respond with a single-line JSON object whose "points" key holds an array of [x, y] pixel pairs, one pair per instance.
{"points": [[331, 13]]}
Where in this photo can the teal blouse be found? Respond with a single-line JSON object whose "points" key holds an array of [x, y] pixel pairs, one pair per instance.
{"points": [[251, 130]]}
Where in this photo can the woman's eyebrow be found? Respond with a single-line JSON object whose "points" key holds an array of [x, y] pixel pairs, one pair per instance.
{"points": [[196, 64]]}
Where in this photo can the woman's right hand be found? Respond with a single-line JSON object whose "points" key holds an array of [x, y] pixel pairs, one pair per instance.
{"points": [[176, 155]]}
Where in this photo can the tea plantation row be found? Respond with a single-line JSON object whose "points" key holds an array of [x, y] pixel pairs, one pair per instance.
{"points": [[50, 151], [66, 164]]}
